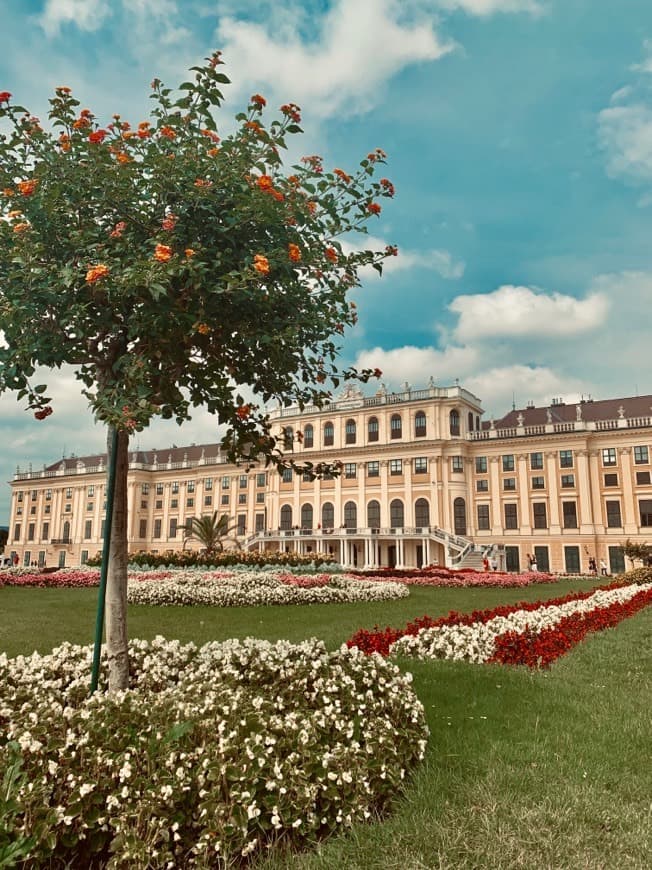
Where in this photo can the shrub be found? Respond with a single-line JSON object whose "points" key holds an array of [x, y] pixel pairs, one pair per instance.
{"points": [[213, 754], [637, 575], [193, 558]]}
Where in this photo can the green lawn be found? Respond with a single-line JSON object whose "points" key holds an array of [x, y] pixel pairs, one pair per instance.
{"points": [[524, 769]]}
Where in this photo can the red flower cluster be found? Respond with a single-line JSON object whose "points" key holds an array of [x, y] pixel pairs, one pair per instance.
{"points": [[43, 413], [5, 96], [292, 111]]}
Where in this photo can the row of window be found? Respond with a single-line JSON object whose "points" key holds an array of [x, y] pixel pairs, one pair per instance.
{"points": [[566, 460], [569, 515], [350, 515], [572, 559], [567, 481], [372, 469]]}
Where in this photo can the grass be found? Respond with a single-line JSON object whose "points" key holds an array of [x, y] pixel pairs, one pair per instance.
{"points": [[524, 769]]}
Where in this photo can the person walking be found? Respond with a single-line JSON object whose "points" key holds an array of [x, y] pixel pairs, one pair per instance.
{"points": [[603, 567]]}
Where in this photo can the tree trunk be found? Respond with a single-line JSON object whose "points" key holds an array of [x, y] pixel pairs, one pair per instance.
{"points": [[116, 586]]}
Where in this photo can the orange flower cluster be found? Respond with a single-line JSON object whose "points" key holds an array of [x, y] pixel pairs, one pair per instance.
{"points": [[81, 123], [189, 252], [374, 208], [387, 186], [202, 182], [143, 130], [243, 411], [8, 191], [292, 111], [162, 253], [341, 174], [203, 328], [97, 136], [27, 188], [121, 157], [20, 228], [168, 132], [331, 254], [210, 134], [215, 59], [95, 273], [213, 152], [294, 253], [265, 183], [377, 154], [169, 222], [261, 264], [64, 142], [259, 101], [63, 89], [314, 161], [253, 125], [118, 230]]}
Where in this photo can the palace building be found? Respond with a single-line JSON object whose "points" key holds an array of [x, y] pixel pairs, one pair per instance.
{"points": [[425, 480]]}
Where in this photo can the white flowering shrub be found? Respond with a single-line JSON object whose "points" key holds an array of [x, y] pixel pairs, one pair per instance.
{"points": [[213, 754], [228, 589]]}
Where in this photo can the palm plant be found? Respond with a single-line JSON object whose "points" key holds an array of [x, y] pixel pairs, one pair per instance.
{"points": [[210, 531]]}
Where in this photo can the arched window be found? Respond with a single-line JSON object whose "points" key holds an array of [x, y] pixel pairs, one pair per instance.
{"points": [[372, 429], [373, 514], [349, 432], [396, 426], [454, 417], [66, 531], [288, 438], [477, 423], [422, 512], [308, 436], [327, 515], [419, 424], [286, 517], [396, 516], [306, 516], [350, 515], [459, 516], [470, 422], [329, 434]]}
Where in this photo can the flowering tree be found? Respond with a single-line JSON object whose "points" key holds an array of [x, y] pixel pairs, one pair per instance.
{"points": [[169, 267]]}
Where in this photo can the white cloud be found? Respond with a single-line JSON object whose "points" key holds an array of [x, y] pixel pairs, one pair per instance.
{"points": [[625, 133], [360, 45], [521, 311], [490, 7], [85, 14], [436, 259], [417, 364], [499, 386]]}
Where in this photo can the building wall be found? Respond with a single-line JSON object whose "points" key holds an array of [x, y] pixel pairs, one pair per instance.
{"points": [[564, 492]]}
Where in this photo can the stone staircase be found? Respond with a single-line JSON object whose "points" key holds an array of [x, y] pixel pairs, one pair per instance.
{"points": [[472, 559]]}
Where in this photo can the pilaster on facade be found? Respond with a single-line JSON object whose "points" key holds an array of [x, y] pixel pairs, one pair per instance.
{"points": [[630, 526], [584, 492]]}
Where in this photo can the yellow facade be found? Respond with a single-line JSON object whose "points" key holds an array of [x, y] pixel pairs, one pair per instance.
{"points": [[424, 480]]}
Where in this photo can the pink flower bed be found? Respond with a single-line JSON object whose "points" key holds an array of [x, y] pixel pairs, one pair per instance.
{"points": [[462, 578], [304, 581], [65, 578]]}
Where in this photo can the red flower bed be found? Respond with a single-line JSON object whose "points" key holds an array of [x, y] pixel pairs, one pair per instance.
{"points": [[456, 577], [379, 640], [539, 649], [54, 579]]}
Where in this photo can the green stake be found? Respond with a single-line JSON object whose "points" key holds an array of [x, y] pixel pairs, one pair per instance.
{"points": [[104, 570]]}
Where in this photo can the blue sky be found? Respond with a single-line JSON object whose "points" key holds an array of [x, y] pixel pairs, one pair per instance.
{"points": [[519, 135]]}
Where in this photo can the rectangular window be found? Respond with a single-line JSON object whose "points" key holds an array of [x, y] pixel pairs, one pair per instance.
{"points": [[242, 524], [88, 529], [226, 483], [569, 514], [68, 508], [396, 466], [286, 475], [159, 489], [69, 492], [420, 465], [30, 531], [34, 495], [224, 500], [609, 456], [508, 462], [188, 524], [511, 516], [483, 517], [536, 461], [208, 484], [41, 558], [159, 504], [457, 464], [349, 470], [48, 495], [142, 529], [27, 557], [645, 509], [190, 486], [32, 510], [90, 491], [242, 498], [174, 502], [616, 560], [19, 496], [157, 529], [173, 528], [102, 529], [509, 484], [175, 487], [47, 508], [482, 485], [90, 505], [45, 531], [480, 464], [565, 458], [208, 500], [539, 515], [572, 560], [538, 483], [243, 481], [144, 488], [512, 559], [83, 559], [614, 519], [611, 480], [542, 558], [567, 481], [641, 456], [373, 469], [260, 522], [190, 502], [642, 478], [143, 505], [260, 498]]}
